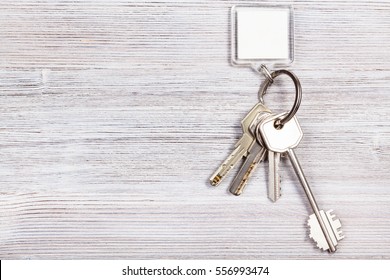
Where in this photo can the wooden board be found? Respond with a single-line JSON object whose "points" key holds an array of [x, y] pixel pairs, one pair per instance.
{"points": [[114, 114]]}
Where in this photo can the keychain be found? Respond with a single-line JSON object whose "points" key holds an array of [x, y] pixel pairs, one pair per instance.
{"points": [[267, 135]]}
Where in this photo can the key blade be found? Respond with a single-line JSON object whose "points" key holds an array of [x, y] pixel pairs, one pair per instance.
{"points": [[335, 224], [255, 155], [332, 226], [321, 219], [273, 176], [238, 153]]}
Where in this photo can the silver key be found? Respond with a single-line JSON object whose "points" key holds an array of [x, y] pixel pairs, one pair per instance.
{"points": [[256, 154], [273, 176], [285, 139], [243, 145]]}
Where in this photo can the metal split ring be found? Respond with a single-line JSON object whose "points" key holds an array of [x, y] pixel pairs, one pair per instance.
{"points": [[264, 70], [298, 94]]}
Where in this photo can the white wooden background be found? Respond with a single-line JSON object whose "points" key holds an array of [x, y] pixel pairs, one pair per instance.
{"points": [[114, 114]]}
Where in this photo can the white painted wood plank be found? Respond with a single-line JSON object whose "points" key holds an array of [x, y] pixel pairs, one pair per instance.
{"points": [[115, 113]]}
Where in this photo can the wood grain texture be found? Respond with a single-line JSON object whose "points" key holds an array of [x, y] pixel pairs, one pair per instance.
{"points": [[115, 113]]}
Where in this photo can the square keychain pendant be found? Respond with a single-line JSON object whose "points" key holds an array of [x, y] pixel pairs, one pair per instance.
{"points": [[262, 34]]}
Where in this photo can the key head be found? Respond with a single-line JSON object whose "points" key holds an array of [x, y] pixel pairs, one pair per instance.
{"points": [[279, 140], [252, 118]]}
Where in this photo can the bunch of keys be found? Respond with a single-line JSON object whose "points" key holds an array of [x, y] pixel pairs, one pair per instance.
{"points": [[266, 134]]}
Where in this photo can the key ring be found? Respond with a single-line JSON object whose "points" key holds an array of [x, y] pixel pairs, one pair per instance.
{"points": [[298, 95]]}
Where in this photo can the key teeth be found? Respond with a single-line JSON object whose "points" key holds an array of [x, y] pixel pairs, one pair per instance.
{"points": [[311, 223], [330, 214], [339, 235], [335, 224], [317, 245]]}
